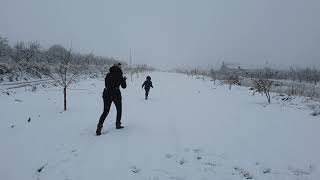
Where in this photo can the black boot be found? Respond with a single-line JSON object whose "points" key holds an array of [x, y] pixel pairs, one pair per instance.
{"points": [[98, 131], [119, 127]]}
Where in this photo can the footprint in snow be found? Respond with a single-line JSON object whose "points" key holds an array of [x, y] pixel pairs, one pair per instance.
{"points": [[75, 153], [198, 157], [169, 156], [210, 164], [245, 174], [75, 150], [135, 170], [209, 167], [266, 171], [39, 170], [153, 178], [181, 161], [208, 170], [177, 178], [301, 172], [197, 150]]}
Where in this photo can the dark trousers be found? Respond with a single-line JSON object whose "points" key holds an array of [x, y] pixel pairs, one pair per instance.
{"points": [[147, 93], [107, 100]]}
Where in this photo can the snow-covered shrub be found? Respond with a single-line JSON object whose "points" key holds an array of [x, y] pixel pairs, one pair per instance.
{"points": [[262, 86], [5, 68], [263, 83], [316, 109], [298, 89], [34, 88]]}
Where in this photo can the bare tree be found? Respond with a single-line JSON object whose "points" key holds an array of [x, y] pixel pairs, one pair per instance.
{"points": [[4, 47], [263, 83], [66, 72], [293, 76], [31, 50], [203, 74], [194, 72], [213, 75], [16, 53], [22, 51], [52, 55], [103, 70], [315, 76], [141, 68], [232, 79], [307, 75], [299, 75]]}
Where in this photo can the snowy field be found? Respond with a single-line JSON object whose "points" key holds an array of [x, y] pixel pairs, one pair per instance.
{"points": [[188, 129]]}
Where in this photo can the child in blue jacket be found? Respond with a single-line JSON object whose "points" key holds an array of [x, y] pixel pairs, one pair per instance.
{"points": [[147, 84]]}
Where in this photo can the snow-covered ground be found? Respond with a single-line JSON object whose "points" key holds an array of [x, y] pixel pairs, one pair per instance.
{"points": [[188, 129]]}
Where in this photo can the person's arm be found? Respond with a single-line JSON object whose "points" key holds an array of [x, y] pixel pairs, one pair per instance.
{"points": [[123, 82], [107, 81], [144, 84]]}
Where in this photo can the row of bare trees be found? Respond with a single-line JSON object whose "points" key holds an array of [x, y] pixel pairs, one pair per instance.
{"points": [[265, 80], [309, 75], [139, 69], [31, 52], [58, 63], [230, 78]]}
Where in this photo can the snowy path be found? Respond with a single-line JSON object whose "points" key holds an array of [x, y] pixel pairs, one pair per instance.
{"points": [[188, 129]]}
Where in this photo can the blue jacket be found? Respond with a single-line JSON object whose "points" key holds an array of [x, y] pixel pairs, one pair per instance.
{"points": [[147, 84]]}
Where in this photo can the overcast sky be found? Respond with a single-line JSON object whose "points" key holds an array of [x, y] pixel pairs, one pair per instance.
{"points": [[171, 33]]}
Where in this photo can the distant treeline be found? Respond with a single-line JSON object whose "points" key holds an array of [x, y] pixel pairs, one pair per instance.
{"points": [[308, 74], [25, 60], [293, 81], [32, 52]]}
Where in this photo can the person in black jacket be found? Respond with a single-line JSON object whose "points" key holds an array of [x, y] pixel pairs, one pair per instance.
{"points": [[111, 93], [147, 84]]}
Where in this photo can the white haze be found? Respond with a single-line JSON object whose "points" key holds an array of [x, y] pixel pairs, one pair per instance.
{"points": [[168, 33]]}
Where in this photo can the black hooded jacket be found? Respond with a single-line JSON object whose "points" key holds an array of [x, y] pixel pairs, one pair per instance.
{"points": [[114, 79]]}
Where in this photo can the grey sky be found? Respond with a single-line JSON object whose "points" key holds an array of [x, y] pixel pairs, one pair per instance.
{"points": [[170, 33]]}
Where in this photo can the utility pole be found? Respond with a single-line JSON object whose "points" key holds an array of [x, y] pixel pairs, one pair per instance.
{"points": [[130, 65]]}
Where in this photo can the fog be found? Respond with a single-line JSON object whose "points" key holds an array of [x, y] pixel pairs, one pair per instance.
{"points": [[168, 33]]}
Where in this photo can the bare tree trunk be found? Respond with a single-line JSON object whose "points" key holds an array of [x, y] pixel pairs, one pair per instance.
{"points": [[65, 98], [268, 97], [292, 88]]}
